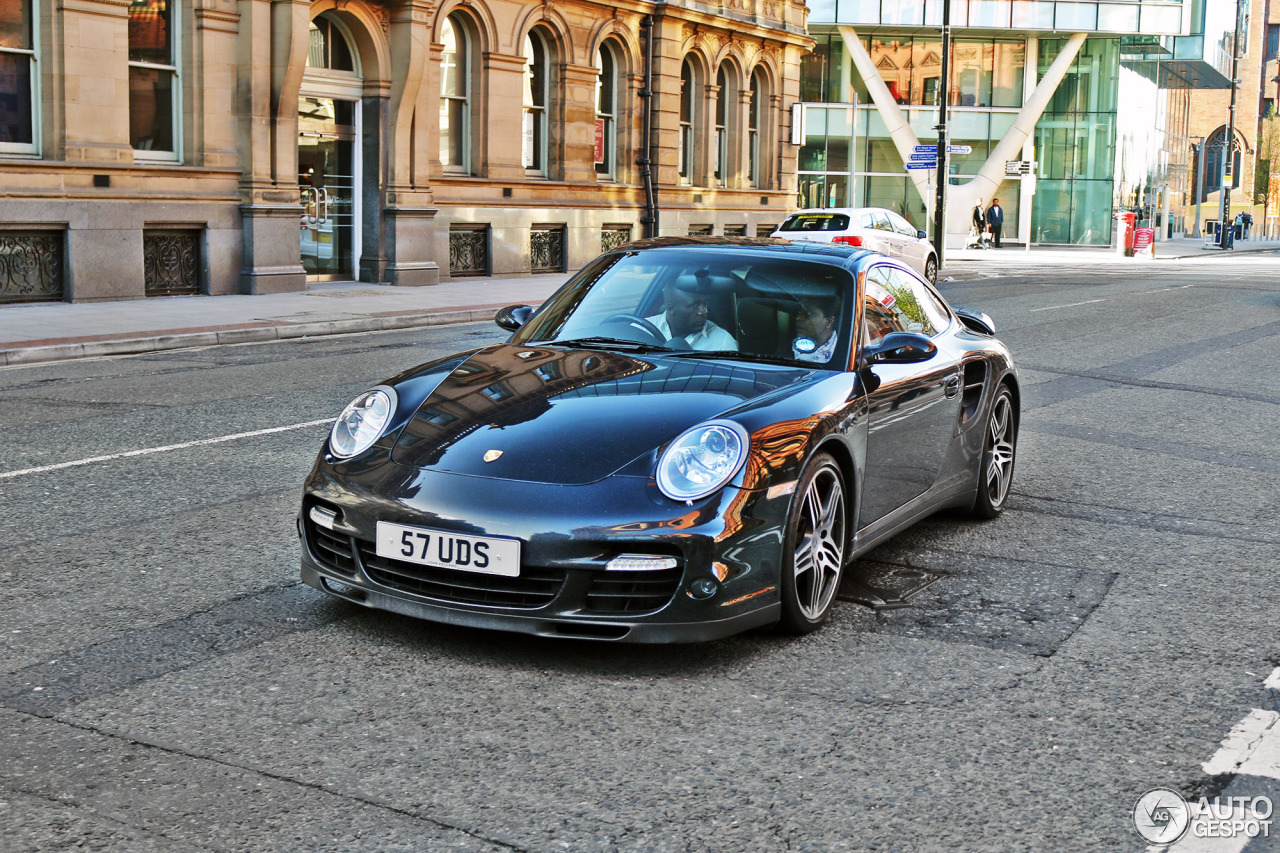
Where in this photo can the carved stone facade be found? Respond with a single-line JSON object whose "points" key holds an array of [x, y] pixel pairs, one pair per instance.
{"points": [[296, 140]]}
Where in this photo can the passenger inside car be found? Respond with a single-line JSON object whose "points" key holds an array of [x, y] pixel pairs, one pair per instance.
{"points": [[816, 324]]}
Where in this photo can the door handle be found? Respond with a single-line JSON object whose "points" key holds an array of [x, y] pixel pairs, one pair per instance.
{"points": [[306, 194], [322, 205], [951, 387]]}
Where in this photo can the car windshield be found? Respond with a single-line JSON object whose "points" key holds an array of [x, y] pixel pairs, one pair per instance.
{"points": [[703, 303]]}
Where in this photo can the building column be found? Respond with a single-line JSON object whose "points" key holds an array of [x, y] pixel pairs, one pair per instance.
{"points": [[271, 56], [1027, 185], [408, 214]]}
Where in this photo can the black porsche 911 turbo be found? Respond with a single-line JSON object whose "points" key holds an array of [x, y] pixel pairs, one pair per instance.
{"points": [[691, 438]]}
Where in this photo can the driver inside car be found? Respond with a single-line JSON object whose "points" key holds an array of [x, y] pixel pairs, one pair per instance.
{"points": [[685, 316]]}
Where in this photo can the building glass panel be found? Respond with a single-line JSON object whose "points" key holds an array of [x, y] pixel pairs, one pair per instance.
{"points": [[1033, 14], [1075, 147], [990, 13]]}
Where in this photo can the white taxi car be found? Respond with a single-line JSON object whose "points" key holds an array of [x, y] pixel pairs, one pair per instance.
{"points": [[872, 228]]}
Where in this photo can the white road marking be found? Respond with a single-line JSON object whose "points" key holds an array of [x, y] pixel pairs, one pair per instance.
{"points": [[1072, 305], [1251, 749], [199, 442]]}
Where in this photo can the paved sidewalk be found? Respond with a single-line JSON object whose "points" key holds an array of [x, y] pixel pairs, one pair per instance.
{"points": [[57, 331]]}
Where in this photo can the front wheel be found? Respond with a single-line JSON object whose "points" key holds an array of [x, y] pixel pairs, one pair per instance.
{"points": [[814, 547], [995, 467], [931, 269]]}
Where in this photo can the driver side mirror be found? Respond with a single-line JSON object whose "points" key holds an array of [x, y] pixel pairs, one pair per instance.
{"points": [[920, 235], [900, 348], [512, 317]]}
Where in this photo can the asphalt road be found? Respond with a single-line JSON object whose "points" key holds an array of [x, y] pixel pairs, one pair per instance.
{"points": [[168, 685]]}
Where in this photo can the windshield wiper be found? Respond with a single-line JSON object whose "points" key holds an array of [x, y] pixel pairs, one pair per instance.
{"points": [[732, 353], [611, 343]]}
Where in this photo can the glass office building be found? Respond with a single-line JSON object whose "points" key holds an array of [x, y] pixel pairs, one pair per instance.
{"points": [[1001, 51]]}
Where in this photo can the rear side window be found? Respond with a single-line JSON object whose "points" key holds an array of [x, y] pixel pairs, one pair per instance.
{"points": [[816, 222], [882, 221]]}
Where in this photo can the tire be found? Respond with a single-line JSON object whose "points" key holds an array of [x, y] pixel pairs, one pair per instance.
{"points": [[814, 547], [999, 449], [931, 269]]}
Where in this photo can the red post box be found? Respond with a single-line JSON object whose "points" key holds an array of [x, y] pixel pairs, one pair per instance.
{"points": [[1128, 221]]}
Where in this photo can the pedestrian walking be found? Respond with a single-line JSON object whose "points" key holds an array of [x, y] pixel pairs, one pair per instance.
{"points": [[995, 221], [977, 227]]}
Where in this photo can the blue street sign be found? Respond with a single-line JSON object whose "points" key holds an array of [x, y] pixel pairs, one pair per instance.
{"points": [[959, 149], [926, 149], [914, 165], [931, 158]]}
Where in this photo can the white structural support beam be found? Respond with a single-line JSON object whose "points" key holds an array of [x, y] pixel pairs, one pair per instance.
{"points": [[1026, 186], [987, 181], [904, 138], [1013, 146]]}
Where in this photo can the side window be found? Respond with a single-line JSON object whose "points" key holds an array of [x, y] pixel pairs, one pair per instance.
{"points": [[915, 304], [879, 313], [901, 225], [866, 220], [882, 221]]}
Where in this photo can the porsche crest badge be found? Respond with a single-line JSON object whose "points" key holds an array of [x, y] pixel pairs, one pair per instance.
{"points": [[490, 455]]}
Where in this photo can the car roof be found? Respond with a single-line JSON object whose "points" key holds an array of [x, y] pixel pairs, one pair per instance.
{"points": [[829, 253], [845, 210]]}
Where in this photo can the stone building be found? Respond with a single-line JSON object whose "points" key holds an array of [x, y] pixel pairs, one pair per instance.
{"points": [[151, 147]]}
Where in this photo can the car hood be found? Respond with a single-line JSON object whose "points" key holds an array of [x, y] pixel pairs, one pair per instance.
{"points": [[570, 416]]}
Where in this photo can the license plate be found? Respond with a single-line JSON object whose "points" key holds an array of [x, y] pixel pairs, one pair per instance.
{"points": [[446, 550]]}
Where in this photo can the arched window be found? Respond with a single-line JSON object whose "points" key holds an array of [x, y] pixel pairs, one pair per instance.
{"points": [[755, 122], [687, 125], [329, 47], [722, 127], [455, 96], [1215, 151], [537, 92], [606, 135]]}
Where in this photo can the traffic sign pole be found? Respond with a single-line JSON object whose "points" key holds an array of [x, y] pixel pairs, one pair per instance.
{"points": [[940, 199]]}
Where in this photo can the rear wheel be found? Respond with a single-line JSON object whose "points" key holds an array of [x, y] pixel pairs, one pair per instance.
{"points": [[995, 468], [814, 546]]}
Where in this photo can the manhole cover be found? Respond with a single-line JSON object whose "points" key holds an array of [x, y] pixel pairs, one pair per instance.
{"points": [[883, 586]]}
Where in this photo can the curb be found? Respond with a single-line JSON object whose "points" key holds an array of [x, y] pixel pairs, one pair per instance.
{"points": [[214, 337]]}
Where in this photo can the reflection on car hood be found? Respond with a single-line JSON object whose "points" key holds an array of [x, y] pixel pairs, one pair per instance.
{"points": [[569, 416]]}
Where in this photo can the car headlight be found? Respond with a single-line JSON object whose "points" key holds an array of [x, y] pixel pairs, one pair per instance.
{"points": [[702, 460], [361, 422]]}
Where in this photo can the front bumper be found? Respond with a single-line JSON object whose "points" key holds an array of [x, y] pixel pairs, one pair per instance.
{"points": [[568, 536]]}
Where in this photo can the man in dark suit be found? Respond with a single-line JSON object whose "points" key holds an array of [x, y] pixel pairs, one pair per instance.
{"points": [[995, 219]]}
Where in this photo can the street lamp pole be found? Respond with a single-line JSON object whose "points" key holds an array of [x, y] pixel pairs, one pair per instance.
{"points": [[940, 197], [1199, 184], [1228, 150]]}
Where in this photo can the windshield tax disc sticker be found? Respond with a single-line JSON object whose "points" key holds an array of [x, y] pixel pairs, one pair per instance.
{"points": [[805, 345]]}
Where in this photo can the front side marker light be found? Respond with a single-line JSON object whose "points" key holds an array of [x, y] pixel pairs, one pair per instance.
{"points": [[640, 563]]}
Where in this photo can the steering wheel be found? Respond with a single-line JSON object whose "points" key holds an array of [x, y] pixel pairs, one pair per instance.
{"points": [[639, 324]]}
